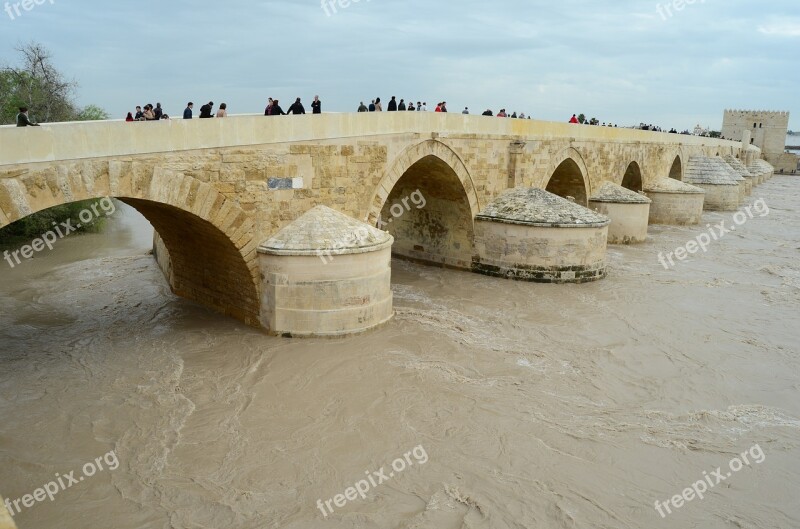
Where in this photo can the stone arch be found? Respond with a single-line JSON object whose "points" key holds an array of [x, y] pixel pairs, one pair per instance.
{"points": [[676, 168], [430, 183], [568, 176], [632, 178], [210, 239]]}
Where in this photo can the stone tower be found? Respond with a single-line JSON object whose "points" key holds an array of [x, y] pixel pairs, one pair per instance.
{"points": [[768, 133]]}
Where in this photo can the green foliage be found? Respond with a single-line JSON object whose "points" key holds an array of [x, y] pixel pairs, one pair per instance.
{"points": [[92, 113], [714, 134], [37, 224], [36, 83]]}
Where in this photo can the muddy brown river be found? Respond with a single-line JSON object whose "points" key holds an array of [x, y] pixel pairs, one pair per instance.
{"points": [[507, 405]]}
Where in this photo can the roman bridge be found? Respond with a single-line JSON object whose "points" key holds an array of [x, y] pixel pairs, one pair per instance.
{"points": [[215, 189]]}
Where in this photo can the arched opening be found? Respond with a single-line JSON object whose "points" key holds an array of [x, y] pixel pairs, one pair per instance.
{"points": [[206, 265], [428, 214], [567, 181], [676, 172], [633, 178]]}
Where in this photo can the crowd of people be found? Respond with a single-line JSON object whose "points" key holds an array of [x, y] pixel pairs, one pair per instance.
{"points": [[150, 113]]}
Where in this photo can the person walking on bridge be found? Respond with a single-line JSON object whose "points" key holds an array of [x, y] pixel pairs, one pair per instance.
{"points": [[316, 106], [23, 120], [187, 114], [402, 106], [573, 119], [378, 106], [296, 108], [392, 105], [362, 107], [372, 107], [205, 110], [276, 109]]}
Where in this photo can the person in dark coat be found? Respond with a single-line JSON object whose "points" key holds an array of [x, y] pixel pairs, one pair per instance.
{"points": [[402, 105], [316, 106], [362, 107], [205, 110], [372, 107], [158, 111], [276, 109], [296, 108], [187, 114], [392, 105], [23, 120]]}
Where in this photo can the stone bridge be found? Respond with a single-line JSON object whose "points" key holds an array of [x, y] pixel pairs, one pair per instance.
{"points": [[216, 189]]}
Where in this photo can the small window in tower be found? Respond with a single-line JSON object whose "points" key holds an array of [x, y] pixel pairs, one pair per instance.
{"points": [[760, 125], [754, 125]]}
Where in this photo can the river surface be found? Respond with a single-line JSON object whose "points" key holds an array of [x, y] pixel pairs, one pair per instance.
{"points": [[535, 406]]}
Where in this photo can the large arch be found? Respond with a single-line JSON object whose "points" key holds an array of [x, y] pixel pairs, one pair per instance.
{"points": [[568, 177], [633, 177], [676, 170], [428, 203], [208, 237]]}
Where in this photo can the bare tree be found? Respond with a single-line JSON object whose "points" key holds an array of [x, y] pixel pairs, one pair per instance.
{"points": [[37, 84]]}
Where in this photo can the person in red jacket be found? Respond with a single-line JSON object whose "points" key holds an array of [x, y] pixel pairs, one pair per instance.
{"points": [[438, 107], [573, 119]]}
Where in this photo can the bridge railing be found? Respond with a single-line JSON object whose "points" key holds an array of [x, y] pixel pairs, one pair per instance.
{"points": [[98, 139]]}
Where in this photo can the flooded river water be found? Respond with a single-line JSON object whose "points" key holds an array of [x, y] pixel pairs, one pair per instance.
{"points": [[535, 406]]}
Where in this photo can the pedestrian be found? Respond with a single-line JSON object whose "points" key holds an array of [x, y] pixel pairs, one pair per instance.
{"points": [[23, 120], [316, 106], [149, 115], [402, 106], [438, 107], [223, 111], [268, 110], [411, 107], [573, 119], [419, 106], [378, 106], [276, 109], [488, 113], [362, 107], [187, 114], [296, 107], [444, 106], [514, 115], [205, 110], [502, 113], [425, 107], [129, 117], [392, 105], [372, 106], [139, 113], [158, 111], [465, 111]]}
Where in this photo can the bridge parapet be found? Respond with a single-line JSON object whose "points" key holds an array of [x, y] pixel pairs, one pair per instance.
{"points": [[101, 139]]}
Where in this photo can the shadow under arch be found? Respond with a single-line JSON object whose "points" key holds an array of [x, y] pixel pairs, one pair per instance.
{"points": [[427, 202], [676, 170], [633, 177], [205, 234], [568, 177]]}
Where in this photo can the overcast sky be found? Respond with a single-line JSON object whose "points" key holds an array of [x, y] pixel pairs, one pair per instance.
{"points": [[623, 61]]}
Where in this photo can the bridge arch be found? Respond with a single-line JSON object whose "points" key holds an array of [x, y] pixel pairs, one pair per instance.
{"points": [[676, 168], [208, 237], [427, 201], [633, 177], [568, 176]]}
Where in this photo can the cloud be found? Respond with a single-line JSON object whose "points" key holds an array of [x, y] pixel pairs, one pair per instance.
{"points": [[781, 29]]}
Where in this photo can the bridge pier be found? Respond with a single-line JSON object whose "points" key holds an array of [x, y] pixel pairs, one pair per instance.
{"points": [[325, 274], [629, 213]]}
